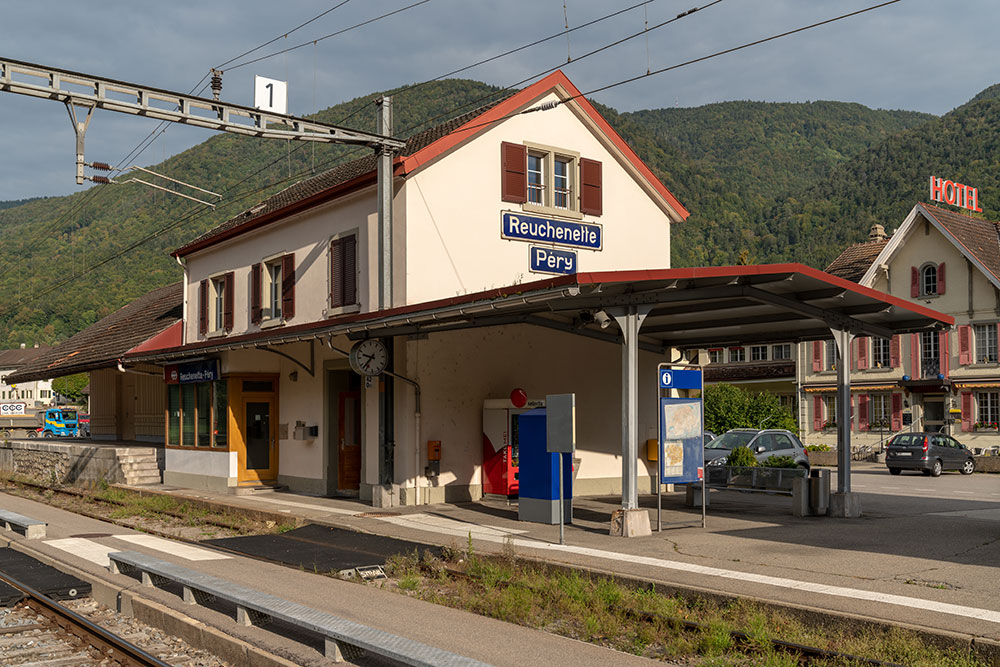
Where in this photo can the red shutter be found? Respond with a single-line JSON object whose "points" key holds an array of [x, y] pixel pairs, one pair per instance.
{"points": [[817, 413], [914, 282], [940, 278], [862, 353], [964, 345], [591, 199], [863, 412], [895, 355], [203, 307], [897, 412], [256, 309], [944, 352], [514, 173], [817, 356], [227, 301], [966, 411], [915, 356], [288, 286]]}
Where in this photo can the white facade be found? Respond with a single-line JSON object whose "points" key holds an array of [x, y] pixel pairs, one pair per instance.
{"points": [[448, 206]]}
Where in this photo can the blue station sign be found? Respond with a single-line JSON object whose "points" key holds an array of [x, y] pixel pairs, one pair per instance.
{"points": [[206, 370], [518, 227], [679, 379], [551, 260]]}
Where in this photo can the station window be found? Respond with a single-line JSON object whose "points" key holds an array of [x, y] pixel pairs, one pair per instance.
{"points": [[929, 280], [782, 352], [197, 414], [986, 343], [737, 354], [344, 271], [758, 353], [272, 275]]}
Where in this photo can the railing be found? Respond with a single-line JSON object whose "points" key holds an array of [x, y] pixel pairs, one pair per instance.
{"points": [[930, 367]]}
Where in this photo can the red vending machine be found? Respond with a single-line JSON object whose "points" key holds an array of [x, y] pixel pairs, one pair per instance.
{"points": [[500, 444]]}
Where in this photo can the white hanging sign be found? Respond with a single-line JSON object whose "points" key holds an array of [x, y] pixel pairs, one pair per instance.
{"points": [[270, 95]]}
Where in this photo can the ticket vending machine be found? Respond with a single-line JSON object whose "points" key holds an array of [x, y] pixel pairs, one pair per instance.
{"points": [[500, 444]]}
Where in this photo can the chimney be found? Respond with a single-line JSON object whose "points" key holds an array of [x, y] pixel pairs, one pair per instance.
{"points": [[877, 233]]}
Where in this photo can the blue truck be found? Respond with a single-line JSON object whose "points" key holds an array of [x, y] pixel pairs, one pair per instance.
{"points": [[47, 423]]}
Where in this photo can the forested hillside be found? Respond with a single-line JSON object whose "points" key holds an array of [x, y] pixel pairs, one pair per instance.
{"points": [[770, 182]]}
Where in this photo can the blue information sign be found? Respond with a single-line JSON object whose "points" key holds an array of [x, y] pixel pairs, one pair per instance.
{"points": [[682, 446], [518, 227], [679, 379], [550, 260]]}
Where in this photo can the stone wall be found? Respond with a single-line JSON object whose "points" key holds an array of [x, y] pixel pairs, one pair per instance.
{"points": [[61, 463]]}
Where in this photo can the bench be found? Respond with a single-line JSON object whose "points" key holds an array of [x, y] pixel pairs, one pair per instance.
{"points": [[340, 635], [33, 529]]}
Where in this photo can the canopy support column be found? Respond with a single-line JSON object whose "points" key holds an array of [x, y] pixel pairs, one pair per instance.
{"points": [[630, 520], [844, 503]]}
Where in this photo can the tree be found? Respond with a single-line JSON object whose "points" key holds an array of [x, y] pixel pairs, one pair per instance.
{"points": [[728, 407], [71, 386]]}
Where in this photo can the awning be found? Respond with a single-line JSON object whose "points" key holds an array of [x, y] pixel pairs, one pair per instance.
{"points": [[883, 386], [980, 384], [688, 308]]}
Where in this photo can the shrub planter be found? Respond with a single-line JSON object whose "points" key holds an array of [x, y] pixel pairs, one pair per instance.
{"points": [[771, 480], [823, 458]]}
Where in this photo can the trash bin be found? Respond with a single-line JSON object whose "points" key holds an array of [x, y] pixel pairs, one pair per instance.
{"points": [[819, 490]]}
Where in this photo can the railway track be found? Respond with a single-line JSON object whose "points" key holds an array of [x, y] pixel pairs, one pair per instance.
{"points": [[40, 631]]}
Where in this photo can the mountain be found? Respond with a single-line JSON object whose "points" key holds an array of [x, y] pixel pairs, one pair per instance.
{"points": [[764, 181]]}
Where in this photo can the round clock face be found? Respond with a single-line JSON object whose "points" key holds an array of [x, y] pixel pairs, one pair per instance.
{"points": [[369, 357]]}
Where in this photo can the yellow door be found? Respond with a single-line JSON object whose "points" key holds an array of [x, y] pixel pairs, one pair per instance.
{"points": [[258, 451]]}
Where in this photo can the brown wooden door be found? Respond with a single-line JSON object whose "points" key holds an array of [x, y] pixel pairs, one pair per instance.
{"points": [[349, 439]]}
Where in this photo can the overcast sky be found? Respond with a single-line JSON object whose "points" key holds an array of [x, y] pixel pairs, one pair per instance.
{"points": [[923, 55]]}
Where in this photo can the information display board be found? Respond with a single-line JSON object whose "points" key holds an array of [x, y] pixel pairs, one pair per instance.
{"points": [[682, 441]]}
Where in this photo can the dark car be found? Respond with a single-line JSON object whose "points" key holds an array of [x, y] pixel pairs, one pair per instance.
{"points": [[930, 453], [709, 437], [764, 443]]}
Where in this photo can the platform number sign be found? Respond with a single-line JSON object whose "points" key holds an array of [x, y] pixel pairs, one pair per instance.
{"points": [[270, 95]]}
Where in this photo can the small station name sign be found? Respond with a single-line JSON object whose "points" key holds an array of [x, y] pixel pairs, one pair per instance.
{"points": [[955, 194], [206, 370]]}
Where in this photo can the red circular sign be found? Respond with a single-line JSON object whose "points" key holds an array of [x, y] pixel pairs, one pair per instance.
{"points": [[519, 398]]}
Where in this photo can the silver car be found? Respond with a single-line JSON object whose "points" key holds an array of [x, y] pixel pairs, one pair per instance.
{"points": [[764, 443]]}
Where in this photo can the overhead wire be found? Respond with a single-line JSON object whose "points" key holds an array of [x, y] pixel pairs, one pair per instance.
{"points": [[716, 54]]}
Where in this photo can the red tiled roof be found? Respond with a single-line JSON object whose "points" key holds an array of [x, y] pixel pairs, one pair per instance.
{"points": [[855, 260], [103, 343], [420, 149], [767, 371], [980, 237]]}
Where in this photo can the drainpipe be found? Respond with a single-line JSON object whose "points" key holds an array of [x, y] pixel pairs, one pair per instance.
{"points": [[416, 419]]}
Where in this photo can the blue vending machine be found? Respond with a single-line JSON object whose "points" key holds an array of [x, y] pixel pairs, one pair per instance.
{"points": [[538, 474]]}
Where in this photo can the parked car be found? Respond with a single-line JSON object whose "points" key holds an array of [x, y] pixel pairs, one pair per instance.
{"points": [[930, 453], [84, 421], [764, 443], [709, 437]]}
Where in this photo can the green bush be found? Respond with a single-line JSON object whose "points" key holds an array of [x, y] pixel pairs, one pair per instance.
{"points": [[741, 457], [728, 406], [817, 448], [780, 462]]}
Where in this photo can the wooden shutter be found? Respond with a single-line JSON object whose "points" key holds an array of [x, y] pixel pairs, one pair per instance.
{"points": [[591, 198], [944, 352], [817, 356], [203, 307], [914, 282], [967, 411], [513, 173], [256, 308], [862, 353], [897, 412], [915, 356], [895, 355], [817, 413], [343, 272], [288, 286], [940, 286], [863, 412], [964, 345], [227, 301]]}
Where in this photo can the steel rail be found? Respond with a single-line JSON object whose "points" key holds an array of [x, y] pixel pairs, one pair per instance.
{"points": [[108, 643]]}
